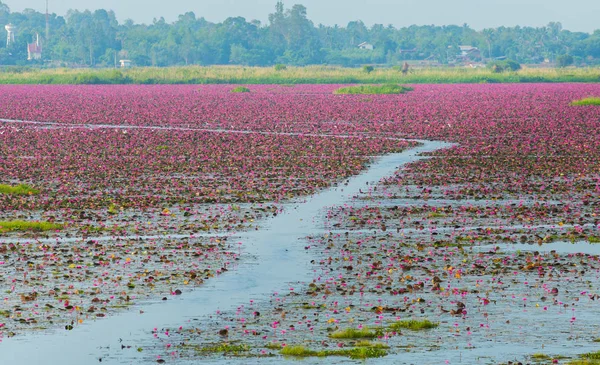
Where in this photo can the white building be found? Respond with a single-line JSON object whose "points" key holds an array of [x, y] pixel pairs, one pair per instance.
{"points": [[469, 51], [10, 36], [125, 63], [366, 45]]}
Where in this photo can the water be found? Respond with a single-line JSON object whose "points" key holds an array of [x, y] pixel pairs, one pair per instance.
{"points": [[56, 125], [278, 261], [560, 247]]}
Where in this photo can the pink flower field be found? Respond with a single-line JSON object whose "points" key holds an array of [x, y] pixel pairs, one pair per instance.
{"points": [[491, 240]]}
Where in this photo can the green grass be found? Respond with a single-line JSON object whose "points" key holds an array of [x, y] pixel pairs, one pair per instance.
{"points": [[273, 346], [593, 239], [586, 101], [113, 209], [224, 348], [355, 353], [20, 226], [375, 345], [21, 189], [413, 325], [373, 90], [240, 89], [540, 357], [291, 75], [591, 355], [351, 333], [590, 358]]}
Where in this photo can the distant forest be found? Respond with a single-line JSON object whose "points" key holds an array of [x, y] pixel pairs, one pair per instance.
{"points": [[97, 39]]}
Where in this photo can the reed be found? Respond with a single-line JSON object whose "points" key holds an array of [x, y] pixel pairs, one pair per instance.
{"points": [[290, 75]]}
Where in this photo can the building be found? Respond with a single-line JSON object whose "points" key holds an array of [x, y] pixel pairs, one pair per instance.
{"points": [[469, 52], [10, 34], [367, 46], [125, 63], [34, 50]]}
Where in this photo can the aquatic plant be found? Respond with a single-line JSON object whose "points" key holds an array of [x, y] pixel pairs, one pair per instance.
{"points": [[586, 101], [373, 89], [413, 324], [240, 89], [350, 333], [355, 353], [19, 226], [21, 189]]}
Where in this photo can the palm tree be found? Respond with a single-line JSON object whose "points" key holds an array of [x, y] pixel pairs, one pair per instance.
{"points": [[489, 37]]}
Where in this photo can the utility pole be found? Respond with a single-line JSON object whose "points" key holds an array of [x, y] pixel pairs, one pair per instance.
{"points": [[47, 24]]}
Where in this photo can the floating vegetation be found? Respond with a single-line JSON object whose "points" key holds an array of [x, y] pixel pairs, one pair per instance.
{"points": [[224, 348], [540, 357], [351, 333], [355, 353], [20, 226], [373, 89], [590, 358], [586, 101], [273, 346], [240, 89], [21, 189], [377, 345], [413, 324]]}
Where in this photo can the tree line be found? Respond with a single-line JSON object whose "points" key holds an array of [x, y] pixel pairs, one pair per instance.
{"points": [[97, 39]]}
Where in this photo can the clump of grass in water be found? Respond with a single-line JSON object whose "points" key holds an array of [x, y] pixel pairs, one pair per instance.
{"points": [[586, 101], [540, 356], [413, 325], [355, 353], [591, 355], [350, 333], [18, 226], [240, 89], [590, 358], [374, 345], [373, 89], [21, 189], [112, 209], [273, 346], [224, 348], [594, 239]]}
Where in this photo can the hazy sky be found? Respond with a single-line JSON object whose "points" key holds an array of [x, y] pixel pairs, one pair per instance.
{"points": [[576, 15]]}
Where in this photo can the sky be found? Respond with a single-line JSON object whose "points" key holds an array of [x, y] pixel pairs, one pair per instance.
{"points": [[575, 15]]}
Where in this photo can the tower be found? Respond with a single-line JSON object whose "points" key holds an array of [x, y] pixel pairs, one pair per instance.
{"points": [[10, 38], [47, 24]]}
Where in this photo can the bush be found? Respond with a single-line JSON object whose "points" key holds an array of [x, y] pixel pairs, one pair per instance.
{"points": [[88, 79], [506, 65], [564, 60], [240, 89], [280, 67], [368, 69]]}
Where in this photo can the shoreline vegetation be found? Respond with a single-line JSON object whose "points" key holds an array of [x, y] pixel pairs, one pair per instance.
{"points": [[373, 90], [293, 75]]}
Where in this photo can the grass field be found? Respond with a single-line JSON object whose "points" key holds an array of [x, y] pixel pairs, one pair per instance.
{"points": [[290, 75]]}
